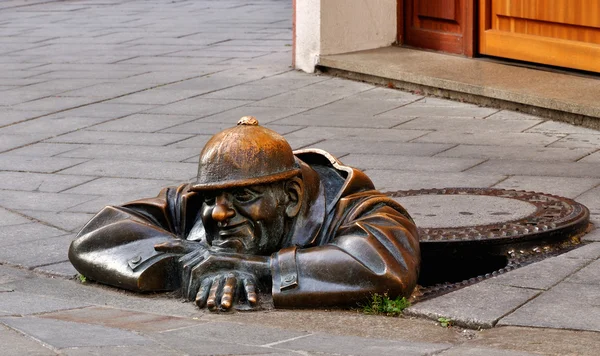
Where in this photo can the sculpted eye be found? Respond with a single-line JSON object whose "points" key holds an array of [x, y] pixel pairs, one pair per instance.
{"points": [[209, 199], [244, 195]]}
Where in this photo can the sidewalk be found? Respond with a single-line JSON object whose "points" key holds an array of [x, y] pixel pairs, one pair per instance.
{"points": [[103, 102]]}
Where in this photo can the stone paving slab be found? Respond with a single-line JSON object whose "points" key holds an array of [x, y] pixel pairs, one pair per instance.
{"points": [[20, 200], [36, 252], [172, 153], [360, 346], [135, 169], [563, 186], [520, 153], [17, 303], [461, 124], [63, 334], [39, 182], [424, 164], [571, 306], [20, 344], [556, 169], [490, 138], [476, 306]]}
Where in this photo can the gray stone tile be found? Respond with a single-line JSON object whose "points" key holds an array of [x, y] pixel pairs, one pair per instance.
{"points": [[218, 331], [541, 275], [343, 147], [566, 306], [195, 142], [157, 96], [385, 94], [17, 303], [40, 250], [315, 95], [263, 114], [106, 90], [593, 235], [517, 153], [29, 231], [8, 117], [42, 149], [511, 116], [118, 186], [556, 169], [362, 134], [490, 138], [142, 123], [9, 218], [94, 206], [314, 118], [590, 251], [247, 92], [477, 351], [52, 125], [579, 141], [171, 153], [10, 162], [593, 158], [420, 164], [16, 344], [108, 110], [560, 127], [419, 109], [479, 305], [347, 345], [116, 138], [200, 127], [64, 334], [198, 107], [135, 169], [461, 124], [64, 220], [10, 141], [589, 275], [39, 182], [563, 186], [20, 200], [210, 347], [53, 104], [61, 269], [146, 350]]}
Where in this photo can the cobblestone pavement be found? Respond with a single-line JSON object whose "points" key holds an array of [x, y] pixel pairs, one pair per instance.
{"points": [[105, 101]]}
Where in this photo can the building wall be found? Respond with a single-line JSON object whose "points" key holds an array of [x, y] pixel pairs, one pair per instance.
{"points": [[339, 26]]}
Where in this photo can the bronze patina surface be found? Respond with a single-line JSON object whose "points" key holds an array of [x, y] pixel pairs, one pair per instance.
{"points": [[259, 220]]}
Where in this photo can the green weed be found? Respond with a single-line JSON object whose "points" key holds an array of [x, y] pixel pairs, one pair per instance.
{"points": [[382, 304], [81, 278], [445, 322]]}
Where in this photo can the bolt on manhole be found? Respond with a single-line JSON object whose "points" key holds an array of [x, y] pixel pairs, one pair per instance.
{"points": [[470, 234]]}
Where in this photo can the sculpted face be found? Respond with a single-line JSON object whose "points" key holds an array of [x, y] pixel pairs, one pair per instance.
{"points": [[249, 220]]}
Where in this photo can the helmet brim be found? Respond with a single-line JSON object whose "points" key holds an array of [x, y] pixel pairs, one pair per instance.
{"points": [[245, 182]]}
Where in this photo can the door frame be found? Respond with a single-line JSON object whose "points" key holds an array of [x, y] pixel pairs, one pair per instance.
{"points": [[470, 31]]}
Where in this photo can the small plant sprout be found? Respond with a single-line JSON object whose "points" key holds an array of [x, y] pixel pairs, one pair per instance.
{"points": [[445, 322], [81, 278], [382, 304]]}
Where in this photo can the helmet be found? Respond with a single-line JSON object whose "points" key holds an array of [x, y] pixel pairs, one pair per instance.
{"points": [[243, 155]]}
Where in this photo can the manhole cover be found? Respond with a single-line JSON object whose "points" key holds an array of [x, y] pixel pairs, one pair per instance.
{"points": [[468, 233]]}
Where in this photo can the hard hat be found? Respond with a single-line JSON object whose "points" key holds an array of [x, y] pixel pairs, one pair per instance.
{"points": [[243, 155]]}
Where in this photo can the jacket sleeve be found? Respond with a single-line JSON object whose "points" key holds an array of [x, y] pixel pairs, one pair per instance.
{"points": [[374, 249], [116, 247]]}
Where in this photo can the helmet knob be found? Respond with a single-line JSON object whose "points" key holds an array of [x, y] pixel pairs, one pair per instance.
{"points": [[248, 120]]}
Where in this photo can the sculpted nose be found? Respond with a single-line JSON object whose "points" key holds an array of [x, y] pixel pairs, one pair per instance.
{"points": [[222, 212]]}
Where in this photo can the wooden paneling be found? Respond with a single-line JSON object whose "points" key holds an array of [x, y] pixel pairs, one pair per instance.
{"points": [[443, 25], [557, 32]]}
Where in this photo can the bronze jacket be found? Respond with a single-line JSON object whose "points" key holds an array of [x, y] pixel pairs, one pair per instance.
{"points": [[351, 241]]}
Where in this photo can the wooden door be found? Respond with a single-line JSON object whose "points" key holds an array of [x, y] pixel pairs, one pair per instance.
{"points": [[442, 25], [563, 33]]}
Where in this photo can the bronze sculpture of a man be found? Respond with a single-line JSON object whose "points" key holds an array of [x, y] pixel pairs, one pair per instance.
{"points": [[259, 219]]}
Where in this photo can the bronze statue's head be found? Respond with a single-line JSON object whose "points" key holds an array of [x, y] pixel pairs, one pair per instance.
{"points": [[252, 188]]}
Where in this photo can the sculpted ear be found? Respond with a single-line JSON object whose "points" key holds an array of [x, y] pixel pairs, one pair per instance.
{"points": [[295, 190]]}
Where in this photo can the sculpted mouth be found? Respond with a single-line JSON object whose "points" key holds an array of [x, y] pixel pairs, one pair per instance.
{"points": [[231, 230]]}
